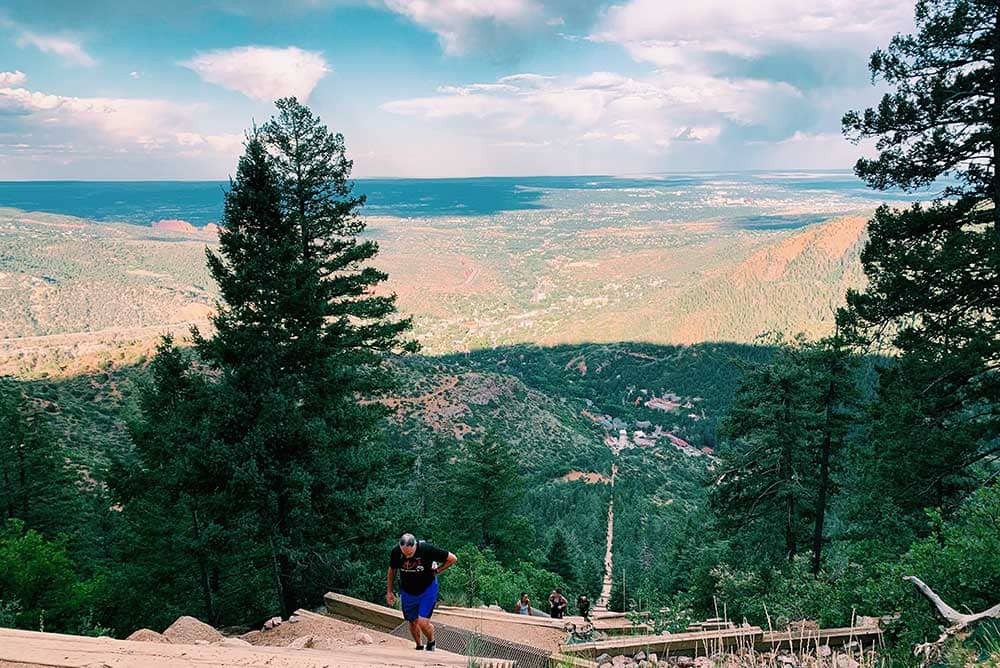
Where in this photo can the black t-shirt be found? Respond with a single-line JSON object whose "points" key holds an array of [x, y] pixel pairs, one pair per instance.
{"points": [[416, 574]]}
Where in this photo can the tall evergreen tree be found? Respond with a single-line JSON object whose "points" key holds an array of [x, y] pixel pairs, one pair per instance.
{"points": [[300, 338], [172, 489], [832, 367], [559, 559], [486, 490], [934, 271], [35, 484], [767, 478]]}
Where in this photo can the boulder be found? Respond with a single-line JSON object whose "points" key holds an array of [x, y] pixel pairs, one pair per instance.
{"points": [[823, 651], [640, 656], [603, 658], [272, 623], [233, 642], [653, 658], [187, 630], [361, 638], [147, 635]]}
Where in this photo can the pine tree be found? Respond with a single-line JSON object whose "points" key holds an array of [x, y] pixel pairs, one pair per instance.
{"points": [[767, 476], [300, 337], [832, 365], [172, 488], [486, 490], [934, 271], [35, 484], [280, 457], [559, 559]]}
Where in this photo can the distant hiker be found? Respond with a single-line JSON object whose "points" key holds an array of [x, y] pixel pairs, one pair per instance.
{"points": [[418, 586], [523, 605], [557, 604], [583, 605]]}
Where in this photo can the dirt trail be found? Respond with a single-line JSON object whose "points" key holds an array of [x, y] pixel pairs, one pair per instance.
{"points": [[605, 598]]}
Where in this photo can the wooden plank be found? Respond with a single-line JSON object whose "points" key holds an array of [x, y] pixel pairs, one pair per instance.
{"points": [[64, 651], [666, 643], [508, 617], [833, 637], [359, 610]]}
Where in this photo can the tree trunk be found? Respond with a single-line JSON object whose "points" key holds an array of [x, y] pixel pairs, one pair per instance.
{"points": [[206, 588], [278, 579], [22, 479], [789, 480], [9, 495], [824, 474], [286, 590]]}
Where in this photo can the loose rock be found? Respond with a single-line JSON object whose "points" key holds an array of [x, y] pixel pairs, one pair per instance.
{"points": [[304, 642], [147, 635], [186, 630], [233, 642]]}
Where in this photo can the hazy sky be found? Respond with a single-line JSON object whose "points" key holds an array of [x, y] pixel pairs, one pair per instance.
{"points": [[139, 89]]}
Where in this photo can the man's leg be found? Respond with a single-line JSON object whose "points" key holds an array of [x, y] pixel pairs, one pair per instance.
{"points": [[425, 625], [415, 632]]}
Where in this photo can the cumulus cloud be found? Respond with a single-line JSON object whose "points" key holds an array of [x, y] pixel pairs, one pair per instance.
{"points": [[672, 33], [67, 128], [262, 73], [14, 78], [462, 23], [651, 113]]}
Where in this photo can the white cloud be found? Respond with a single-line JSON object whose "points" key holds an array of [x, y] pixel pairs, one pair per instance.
{"points": [[135, 75], [262, 73], [62, 46], [14, 78], [459, 23], [64, 129], [652, 113], [674, 33]]}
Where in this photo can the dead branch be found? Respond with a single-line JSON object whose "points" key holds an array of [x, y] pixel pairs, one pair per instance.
{"points": [[957, 621]]}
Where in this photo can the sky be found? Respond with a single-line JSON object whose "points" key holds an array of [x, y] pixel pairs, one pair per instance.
{"points": [[146, 90]]}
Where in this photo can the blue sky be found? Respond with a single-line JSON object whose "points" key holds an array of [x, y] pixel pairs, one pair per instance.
{"points": [[123, 89]]}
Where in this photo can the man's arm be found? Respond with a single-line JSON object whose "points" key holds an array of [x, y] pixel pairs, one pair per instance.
{"points": [[450, 561], [390, 578]]}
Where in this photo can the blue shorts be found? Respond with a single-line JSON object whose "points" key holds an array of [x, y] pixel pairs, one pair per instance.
{"points": [[421, 605]]}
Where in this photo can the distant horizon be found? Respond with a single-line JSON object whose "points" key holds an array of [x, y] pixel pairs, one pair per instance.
{"points": [[623, 175]]}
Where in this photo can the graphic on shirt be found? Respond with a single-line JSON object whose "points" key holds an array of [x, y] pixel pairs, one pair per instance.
{"points": [[417, 572]]}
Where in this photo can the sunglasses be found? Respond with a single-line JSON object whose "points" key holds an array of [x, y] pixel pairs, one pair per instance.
{"points": [[407, 542]]}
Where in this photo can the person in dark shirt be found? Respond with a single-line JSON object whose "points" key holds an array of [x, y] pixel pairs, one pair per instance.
{"points": [[557, 604], [418, 564], [583, 605]]}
